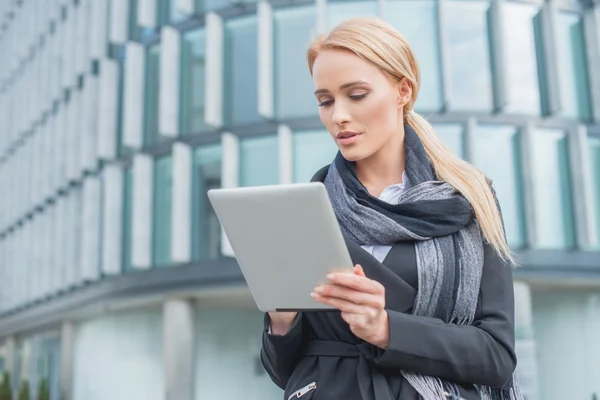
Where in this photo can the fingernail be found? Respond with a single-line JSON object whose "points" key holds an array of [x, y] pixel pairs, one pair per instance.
{"points": [[314, 295], [330, 276], [319, 289]]}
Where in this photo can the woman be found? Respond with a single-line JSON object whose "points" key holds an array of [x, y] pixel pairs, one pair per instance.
{"points": [[428, 312]]}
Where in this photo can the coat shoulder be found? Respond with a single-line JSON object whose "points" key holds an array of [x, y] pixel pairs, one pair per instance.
{"points": [[320, 175]]}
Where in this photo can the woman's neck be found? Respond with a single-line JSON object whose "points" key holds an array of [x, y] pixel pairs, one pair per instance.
{"points": [[382, 169]]}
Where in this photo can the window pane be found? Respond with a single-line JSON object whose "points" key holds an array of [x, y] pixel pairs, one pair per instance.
{"points": [[452, 136], [174, 14], [212, 5], [497, 155], [312, 151], [338, 12], [161, 230], [206, 230], [241, 83], [574, 86], [259, 161], [594, 144], [151, 96], [193, 66], [421, 32], [132, 25], [127, 219], [521, 77], [294, 87], [552, 190], [469, 53]]}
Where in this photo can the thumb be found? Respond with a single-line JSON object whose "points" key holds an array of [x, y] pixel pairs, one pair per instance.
{"points": [[358, 270]]}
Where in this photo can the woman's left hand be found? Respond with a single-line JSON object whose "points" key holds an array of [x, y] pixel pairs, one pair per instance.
{"points": [[361, 301]]}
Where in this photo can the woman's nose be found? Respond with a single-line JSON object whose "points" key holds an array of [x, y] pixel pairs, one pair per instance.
{"points": [[340, 114]]}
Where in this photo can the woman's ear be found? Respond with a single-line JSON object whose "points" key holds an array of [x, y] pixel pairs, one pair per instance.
{"points": [[404, 92]]}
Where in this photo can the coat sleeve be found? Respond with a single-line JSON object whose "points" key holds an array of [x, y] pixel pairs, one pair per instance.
{"points": [[279, 353], [481, 354]]}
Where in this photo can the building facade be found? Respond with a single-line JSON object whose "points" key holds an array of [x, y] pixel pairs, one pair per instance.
{"points": [[116, 117]]}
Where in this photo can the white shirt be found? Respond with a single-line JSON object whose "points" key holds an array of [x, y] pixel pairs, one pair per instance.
{"points": [[391, 195]]}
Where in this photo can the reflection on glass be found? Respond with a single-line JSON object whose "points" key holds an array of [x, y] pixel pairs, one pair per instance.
{"points": [[161, 229], [132, 25], [127, 219], [206, 230], [193, 53], [241, 84], [151, 96], [421, 32], [553, 210], [522, 76], [338, 12], [212, 5], [293, 85], [312, 151], [594, 145], [259, 161], [497, 155], [469, 54], [174, 14], [574, 84], [452, 136]]}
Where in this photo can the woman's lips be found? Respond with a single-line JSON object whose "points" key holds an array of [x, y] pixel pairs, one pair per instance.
{"points": [[348, 139]]}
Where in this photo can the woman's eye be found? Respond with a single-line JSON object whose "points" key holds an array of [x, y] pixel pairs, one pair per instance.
{"points": [[326, 103], [358, 96]]}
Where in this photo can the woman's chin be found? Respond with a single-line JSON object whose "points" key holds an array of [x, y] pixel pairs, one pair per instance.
{"points": [[353, 154]]}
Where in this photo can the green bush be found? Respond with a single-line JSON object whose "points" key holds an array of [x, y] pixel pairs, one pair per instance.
{"points": [[43, 392], [24, 390], [5, 389]]}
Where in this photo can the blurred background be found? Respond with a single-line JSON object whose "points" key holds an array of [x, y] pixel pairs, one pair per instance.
{"points": [[116, 117]]}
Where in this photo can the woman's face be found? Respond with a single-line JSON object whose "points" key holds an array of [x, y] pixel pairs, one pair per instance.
{"points": [[359, 105]]}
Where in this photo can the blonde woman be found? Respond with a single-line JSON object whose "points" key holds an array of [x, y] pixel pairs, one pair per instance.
{"points": [[428, 312]]}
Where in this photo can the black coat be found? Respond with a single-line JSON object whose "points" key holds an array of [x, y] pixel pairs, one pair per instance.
{"points": [[320, 347]]}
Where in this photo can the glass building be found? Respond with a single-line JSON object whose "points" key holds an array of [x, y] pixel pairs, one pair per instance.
{"points": [[116, 117]]}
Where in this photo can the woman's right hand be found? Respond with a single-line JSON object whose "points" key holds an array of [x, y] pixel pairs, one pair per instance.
{"points": [[281, 322]]}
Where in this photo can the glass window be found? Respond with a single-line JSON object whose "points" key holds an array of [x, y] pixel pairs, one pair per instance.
{"points": [[259, 161], [340, 11], [161, 229], [193, 66], [498, 156], [206, 229], [594, 145], [469, 55], [293, 83], [127, 219], [312, 151], [212, 5], [521, 77], [151, 96], [421, 32], [174, 14], [132, 23], [574, 85], [552, 189], [241, 69], [452, 136]]}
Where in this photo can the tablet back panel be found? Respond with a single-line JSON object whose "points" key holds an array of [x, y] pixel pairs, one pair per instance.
{"points": [[285, 238]]}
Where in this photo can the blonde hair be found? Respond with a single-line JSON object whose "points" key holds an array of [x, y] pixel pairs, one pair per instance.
{"points": [[378, 43]]}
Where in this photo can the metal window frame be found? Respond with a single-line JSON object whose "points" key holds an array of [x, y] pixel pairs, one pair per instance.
{"points": [[147, 13], [265, 46], [230, 166], [143, 213], [119, 21], [444, 56], [552, 104], [526, 145], [169, 81], [498, 61], [591, 26], [108, 109], [181, 210], [285, 142], [133, 109], [213, 90], [112, 219]]}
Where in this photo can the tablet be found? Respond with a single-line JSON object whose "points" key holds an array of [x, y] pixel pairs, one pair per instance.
{"points": [[285, 238]]}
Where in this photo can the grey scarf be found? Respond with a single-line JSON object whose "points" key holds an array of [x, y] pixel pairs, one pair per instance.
{"points": [[449, 247]]}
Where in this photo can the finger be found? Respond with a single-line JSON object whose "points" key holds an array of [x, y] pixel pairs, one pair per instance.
{"points": [[358, 270], [340, 304], [360, 283], [351, 295]]}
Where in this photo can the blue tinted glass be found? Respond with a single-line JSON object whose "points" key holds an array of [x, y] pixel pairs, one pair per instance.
{"points": [[553, 210], [294, 88], [127, 218], [421, 32], [151, 96], [594, 145], [522, 75], [161, 231], [469, 54], [452, 136], [574, 84], [212, 5], [206, 229], [312, 151], [241, 84], [338, 12], [259, 161], [193, 67], [497, 155]]}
